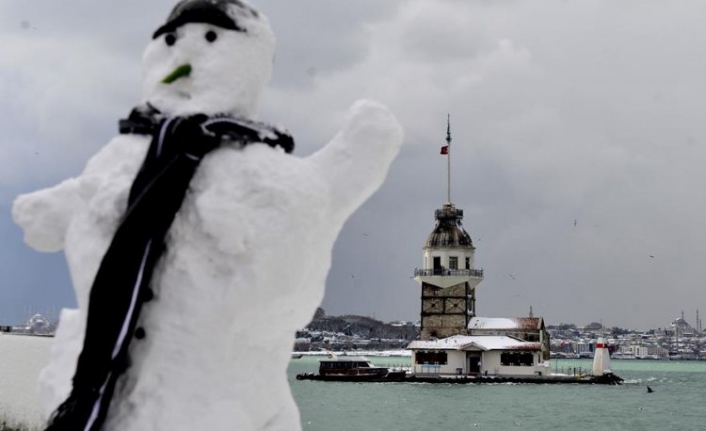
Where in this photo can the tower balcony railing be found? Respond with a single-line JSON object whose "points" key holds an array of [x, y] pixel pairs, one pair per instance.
{"points": [[462, 242], [445, 272]]}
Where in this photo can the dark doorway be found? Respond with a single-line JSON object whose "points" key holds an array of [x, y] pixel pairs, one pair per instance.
{"points": [[473, 362]]}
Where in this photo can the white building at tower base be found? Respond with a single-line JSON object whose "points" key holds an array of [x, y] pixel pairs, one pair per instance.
{"points": [[485, 355]]}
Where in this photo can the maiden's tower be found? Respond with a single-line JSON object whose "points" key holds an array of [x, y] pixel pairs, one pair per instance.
{"points": [[453, 338], [448, 277]]}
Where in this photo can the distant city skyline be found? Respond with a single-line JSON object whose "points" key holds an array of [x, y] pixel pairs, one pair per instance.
{"points": [[52, 316]]}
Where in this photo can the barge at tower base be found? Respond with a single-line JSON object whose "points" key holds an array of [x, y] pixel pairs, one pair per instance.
{"points": [[606, 379]]}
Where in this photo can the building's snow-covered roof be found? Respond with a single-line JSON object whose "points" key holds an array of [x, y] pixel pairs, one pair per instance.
{"points": [[468, 342], [505, 323], [451, 343]]}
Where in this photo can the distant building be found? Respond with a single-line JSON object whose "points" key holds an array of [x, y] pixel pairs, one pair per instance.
{"points": [[35, 325], [682, 327], [647, 352]]}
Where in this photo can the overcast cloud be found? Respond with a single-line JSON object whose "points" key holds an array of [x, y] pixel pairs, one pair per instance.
{"points": [[578, 149]]}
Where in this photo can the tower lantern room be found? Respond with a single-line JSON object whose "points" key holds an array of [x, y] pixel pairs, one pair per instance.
{"points": [[448, 276], [449, 247]]}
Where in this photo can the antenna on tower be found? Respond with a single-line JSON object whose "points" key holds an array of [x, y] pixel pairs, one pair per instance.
{"points": [[448, 159]]}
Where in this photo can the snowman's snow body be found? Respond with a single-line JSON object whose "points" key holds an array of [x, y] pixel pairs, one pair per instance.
{"points": [[247, 254]]}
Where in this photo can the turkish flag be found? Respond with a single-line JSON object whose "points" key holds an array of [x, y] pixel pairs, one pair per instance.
{"points": [[445, 149]]}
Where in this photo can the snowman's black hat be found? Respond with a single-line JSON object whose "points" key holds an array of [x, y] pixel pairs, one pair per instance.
{"points": [[221, 13]]}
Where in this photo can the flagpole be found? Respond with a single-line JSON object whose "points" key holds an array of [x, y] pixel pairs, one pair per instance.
{"points": [[448, 159]]}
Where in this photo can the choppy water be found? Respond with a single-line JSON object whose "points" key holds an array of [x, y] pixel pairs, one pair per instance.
{"points": [[678, 403]]}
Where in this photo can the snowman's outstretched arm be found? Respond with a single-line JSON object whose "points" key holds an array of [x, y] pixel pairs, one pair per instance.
{"points": [[357, 159], [44, 215]]}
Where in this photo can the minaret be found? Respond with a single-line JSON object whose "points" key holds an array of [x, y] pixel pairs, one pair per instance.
{"points": [[447, 276], [698, 322]]}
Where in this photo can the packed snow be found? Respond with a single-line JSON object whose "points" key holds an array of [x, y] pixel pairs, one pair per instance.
{"points": [[247, 255], [21, 359], [502, 322], [484, 342]]}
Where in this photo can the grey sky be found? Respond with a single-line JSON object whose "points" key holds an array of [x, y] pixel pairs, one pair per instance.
{"points": [[561, 111]]}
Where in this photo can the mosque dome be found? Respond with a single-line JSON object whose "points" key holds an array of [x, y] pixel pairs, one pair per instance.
{"points": [[680, 322]]}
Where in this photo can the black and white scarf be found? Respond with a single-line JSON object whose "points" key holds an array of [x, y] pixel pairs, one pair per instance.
{"points": [[122, 283]]}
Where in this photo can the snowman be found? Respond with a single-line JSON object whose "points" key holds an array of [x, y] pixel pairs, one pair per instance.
{"points": [[197, 245]]}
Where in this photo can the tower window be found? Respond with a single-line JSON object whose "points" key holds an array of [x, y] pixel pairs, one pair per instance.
{"points": [[453, 262], [468, 263]]}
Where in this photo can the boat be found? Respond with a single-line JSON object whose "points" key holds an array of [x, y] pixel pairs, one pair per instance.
{"points": [[349, 368]]}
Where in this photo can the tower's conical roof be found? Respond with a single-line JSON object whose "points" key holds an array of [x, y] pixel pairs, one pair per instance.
{"points": [[449, 231]]}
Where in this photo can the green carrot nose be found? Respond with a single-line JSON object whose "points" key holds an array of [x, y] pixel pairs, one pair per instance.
{"points": [[180, 72]]}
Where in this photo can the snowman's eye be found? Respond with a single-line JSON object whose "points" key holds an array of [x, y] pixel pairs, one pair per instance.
{"points": [[211, 36], [170, 39]]}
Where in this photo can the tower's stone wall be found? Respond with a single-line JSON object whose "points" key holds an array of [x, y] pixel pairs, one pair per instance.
{"points": [[443, 326], [445, 312]]}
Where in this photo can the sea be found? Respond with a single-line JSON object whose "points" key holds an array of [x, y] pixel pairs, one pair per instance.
{"points": [[677, 403]]}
